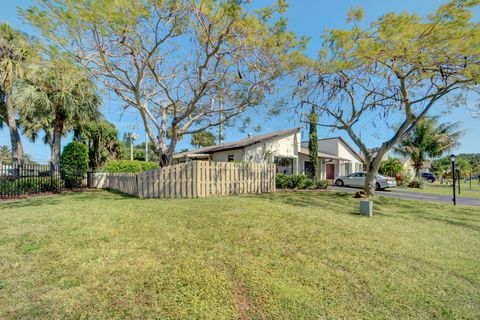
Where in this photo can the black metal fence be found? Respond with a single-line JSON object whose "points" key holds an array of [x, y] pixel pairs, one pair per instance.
{"points": [[25, 179]]}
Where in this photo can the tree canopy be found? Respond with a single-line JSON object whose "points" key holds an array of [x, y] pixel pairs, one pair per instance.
{"points": [[55, 98], [399, 67], [203, 139], [101, 138], [175, 62], [17, 51], [428, 140]]}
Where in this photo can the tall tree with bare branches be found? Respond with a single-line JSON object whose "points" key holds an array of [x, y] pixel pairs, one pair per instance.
{"points": [[176, 61], [400, 67]]}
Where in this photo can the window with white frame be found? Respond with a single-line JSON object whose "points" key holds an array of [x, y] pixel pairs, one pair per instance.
{"points": [[348, 168]]}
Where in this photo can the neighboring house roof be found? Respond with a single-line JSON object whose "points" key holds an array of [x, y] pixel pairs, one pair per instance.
{"points": [[427, 164], [404, 161], [237, 144], [408, 161], [347, 145], [322, 154]]}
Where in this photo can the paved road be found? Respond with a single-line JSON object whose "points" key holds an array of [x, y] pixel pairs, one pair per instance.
{"points": [[407, 195]]}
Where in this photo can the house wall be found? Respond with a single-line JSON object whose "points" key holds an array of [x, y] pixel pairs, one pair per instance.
{"points": [[264, 152], [288, 146], [222, 156], [338, 148]]}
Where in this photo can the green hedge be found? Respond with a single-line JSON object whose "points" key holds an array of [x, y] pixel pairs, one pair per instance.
{"points": [[298, 181], [74, 164], [130, 166], [30, 186]]}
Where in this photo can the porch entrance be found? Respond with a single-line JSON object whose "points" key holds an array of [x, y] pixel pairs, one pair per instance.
{"points": [[308, 168], [330, 171]]}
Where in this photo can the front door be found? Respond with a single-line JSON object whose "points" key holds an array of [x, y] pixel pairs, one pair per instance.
{"points": [[308, 168], [330, 171]]}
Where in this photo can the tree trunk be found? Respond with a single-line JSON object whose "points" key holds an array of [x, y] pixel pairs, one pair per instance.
{"points": [[417, 171], [166, 153], [17, 147], [56, 142], [373, 167]]}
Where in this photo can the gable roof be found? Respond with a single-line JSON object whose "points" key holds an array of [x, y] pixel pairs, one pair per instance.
{"points": [[358, 155], [320, 154], [238, 144]]}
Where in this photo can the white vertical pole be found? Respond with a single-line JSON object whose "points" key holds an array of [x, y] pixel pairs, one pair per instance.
{"points": [[220, 128], [146, 146], [131, 146]]}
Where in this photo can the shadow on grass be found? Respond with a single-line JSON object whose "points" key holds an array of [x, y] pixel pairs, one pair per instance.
{"points": [[305, 198], [464, 217], [120, 195], [39, 200]]}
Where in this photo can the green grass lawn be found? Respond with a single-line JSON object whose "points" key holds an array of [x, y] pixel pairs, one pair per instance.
{"points": [[292, 255], [443, 189]]}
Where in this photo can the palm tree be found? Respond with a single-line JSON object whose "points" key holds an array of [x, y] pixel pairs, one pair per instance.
{"points": [[5, 154], [101, 138], [55, 99], [15, 53], [391, 167], [429, 140], [203, 139]]}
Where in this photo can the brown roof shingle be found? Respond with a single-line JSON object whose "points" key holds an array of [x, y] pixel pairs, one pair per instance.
{"points": [[237, 144]]}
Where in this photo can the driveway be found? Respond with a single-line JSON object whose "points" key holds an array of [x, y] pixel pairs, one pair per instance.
{"points": [[407, 195]]}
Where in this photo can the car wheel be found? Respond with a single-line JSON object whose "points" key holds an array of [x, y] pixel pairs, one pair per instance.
{"points": [[377, 186], [339, 183]]}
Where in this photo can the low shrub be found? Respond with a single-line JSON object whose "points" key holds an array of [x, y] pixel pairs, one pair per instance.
{"points": [[130, 166], [417, 183], [298, 181], [322, 184], [301, 181], [404, 179], [282, 181]]}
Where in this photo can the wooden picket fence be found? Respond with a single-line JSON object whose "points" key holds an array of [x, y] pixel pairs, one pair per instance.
{"points": [[123, 182], [196, 179]]}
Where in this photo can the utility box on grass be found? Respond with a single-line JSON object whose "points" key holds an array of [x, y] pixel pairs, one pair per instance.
{"points": [[366, 208]]}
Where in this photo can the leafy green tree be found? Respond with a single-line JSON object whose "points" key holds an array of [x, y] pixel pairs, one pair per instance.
{"points": [[55, 98], [234, 57], [203, 139], [472, 158], [16, 52], [443, 167], [391, 167], [313, 141], [101, 138], [429, 140], [396, 69]]}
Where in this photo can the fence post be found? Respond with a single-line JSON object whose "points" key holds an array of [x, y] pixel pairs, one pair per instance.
{"points": [[139, 183], [51, 175]]}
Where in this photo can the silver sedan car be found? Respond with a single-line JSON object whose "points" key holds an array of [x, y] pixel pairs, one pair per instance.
{"points": [[357, 179]]}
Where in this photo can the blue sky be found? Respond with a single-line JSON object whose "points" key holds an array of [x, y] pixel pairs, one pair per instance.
{"points": [[306, 17]]}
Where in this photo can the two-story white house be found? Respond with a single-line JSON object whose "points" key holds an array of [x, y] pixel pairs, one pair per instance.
{"points": [[285, 149]]}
